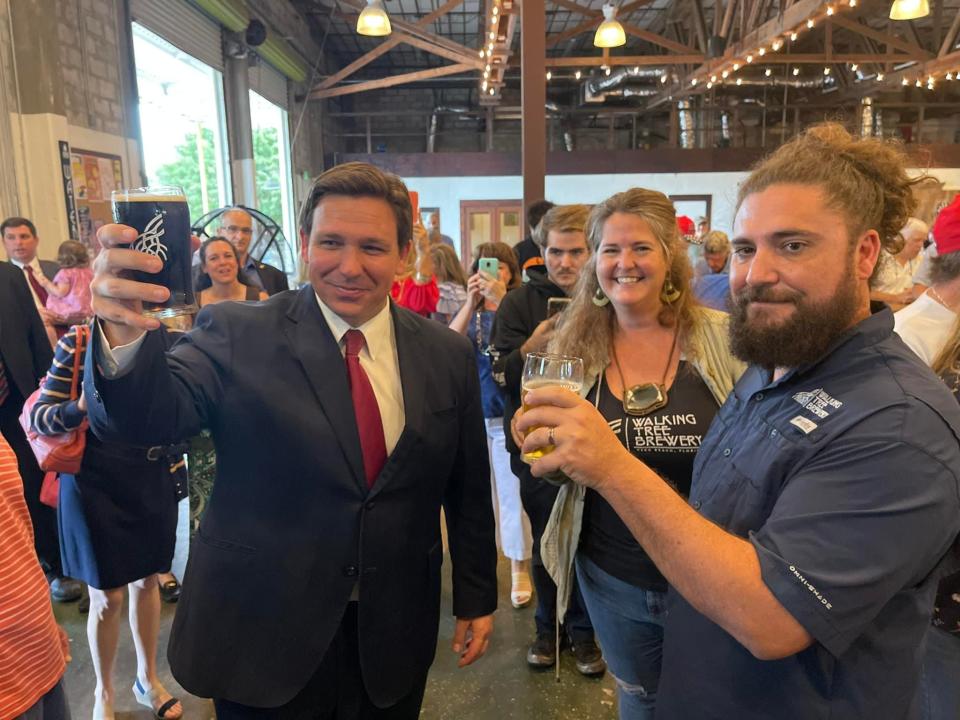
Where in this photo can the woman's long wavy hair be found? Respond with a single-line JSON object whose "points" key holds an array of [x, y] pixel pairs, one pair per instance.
{"points": [[586, 330]]}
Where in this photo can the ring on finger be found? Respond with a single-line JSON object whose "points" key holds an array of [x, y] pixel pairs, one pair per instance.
{"points": [[550, 437]]}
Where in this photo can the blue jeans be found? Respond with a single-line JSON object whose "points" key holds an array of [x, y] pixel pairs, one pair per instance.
{"points": [[939, 694], [628, 622]]}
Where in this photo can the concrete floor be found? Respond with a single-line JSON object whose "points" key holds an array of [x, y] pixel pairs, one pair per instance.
{"points": [[500, 686]]}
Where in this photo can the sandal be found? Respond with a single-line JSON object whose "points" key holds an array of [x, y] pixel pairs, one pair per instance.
{"points": [[152, 699], [170, 590], [521, 591], [102, 710]]}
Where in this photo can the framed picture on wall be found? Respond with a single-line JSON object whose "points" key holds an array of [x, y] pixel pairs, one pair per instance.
{"points": [[694, 207]]}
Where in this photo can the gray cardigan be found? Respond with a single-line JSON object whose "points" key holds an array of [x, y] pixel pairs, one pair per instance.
{"points": [[710, 346]]}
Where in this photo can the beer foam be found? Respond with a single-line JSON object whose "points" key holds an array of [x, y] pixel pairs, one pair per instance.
{"points": [[137, 197]]}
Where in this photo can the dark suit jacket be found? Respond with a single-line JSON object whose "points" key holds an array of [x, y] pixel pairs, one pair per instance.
{"points": [[24, 346], [49, 268], [290, 527], [274, 281]]}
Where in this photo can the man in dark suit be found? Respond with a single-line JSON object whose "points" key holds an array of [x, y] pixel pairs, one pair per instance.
{"points": [[25, 356], [236, 225], [20, 241], [342, 423]]}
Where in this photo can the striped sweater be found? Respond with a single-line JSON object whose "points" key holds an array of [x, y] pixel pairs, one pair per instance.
{"points": [[31, 652], [54, 412]]}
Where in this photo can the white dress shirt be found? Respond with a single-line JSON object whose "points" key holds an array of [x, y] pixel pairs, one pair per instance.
{"points": [[37, 270], [378, 359], [380, 362]]}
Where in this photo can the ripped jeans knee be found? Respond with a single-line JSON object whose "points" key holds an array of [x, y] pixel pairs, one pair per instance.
{"points": [[633, 689]]}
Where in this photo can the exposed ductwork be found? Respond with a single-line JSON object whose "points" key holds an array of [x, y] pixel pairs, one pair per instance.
{"points": [[871, 121], [688, 133], [778, 82], [596, 90], [725, 128], [435, 122]]}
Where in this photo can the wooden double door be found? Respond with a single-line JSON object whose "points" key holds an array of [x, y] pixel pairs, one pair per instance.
{"points": [[489, 221]]}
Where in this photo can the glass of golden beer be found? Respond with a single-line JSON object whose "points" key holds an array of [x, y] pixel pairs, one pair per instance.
{"points": [[543, 370]]}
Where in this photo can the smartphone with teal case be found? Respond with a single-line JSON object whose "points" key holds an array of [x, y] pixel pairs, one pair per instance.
{"points": [[490, 266]]}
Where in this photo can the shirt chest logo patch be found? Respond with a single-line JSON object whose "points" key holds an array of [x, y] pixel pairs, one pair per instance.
{"points": [[817, 402]]}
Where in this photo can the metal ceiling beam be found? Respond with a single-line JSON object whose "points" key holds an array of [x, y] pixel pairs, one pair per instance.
{"points": [[433, 49], [699, 24], [660, 40], [597, 61], [797, 13], [881, 37], [390, 81], [950, 36], [414, 29], [385, 46]]}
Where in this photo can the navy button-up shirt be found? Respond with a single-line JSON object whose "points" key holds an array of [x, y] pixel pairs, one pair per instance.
{"points": [[845, 477]]}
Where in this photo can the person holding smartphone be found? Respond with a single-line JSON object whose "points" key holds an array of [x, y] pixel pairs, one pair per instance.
{"points": [[495, 272], [522, 326]]}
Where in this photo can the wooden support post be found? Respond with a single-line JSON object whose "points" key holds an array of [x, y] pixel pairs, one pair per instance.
{"points": [[533, 85]]}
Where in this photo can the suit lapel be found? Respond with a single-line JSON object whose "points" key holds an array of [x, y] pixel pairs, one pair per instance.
{"points": [[414, 365], [318, 352]]}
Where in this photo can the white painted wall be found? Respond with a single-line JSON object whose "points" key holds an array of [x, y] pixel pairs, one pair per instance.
{"points": [[447, 192]]}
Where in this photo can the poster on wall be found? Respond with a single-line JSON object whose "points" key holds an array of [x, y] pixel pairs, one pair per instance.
{"points": [[95, 177]]}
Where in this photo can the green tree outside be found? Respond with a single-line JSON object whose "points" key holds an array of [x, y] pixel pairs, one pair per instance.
{"points": [[185, 172]]}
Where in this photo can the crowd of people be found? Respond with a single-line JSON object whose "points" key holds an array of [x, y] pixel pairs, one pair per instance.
{"points": [[749, 510]]}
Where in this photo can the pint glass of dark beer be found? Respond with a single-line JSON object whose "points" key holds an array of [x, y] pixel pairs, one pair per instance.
{"points": [[162, 219]]}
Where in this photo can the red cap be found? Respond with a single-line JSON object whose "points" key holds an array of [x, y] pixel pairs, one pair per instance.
{"points": [[946, 228], [686, 226]]}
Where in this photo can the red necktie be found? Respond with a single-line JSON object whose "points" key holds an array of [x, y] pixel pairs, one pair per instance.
{"points": [[35, 284], [372, 444]]}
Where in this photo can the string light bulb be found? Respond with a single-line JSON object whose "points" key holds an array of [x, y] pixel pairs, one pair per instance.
{"points": [[739, 81], [810, 24], [879, 76], [709, 85], [482, 52], [904, 82], [549, 75], [761, 52], [736, 66], [854, 67], [949, 76], [768, 72], [853, 3], [777, 44], [663, 79], [577, 75], [749, 59], [796, 71], [693, 82], [725, 74], [826, 71], [829, 10], [492, 91], [793, 36], [918, 83], [713, 78]]}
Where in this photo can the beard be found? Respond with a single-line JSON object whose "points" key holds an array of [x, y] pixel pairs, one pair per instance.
{"points": [[801, 339]]}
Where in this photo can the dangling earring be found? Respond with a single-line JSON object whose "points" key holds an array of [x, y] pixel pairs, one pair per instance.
{"points": [[669, 294], [599, 299]]}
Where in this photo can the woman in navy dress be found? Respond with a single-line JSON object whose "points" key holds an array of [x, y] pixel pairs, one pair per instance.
{"points": [[118, 519]]}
